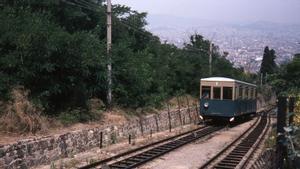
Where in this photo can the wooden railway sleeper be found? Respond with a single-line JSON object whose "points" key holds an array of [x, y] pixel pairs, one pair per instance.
{"points": [[239, 150], [222, 163], [244, 146], [150, 154], [145, 156], [233, 158], [125, 163], [157, 151], [164, 148], [230, 160], [237, 153], [135, 160], [223, 167], [117, 166]]}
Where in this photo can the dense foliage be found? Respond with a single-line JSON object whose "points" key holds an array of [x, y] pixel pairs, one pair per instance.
{"points": [[287, 79], [56, 49]]}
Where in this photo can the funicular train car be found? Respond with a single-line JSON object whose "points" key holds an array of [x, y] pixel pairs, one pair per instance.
{"points": [[226, 99]]}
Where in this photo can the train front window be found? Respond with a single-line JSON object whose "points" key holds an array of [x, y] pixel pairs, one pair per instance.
{"points": [[227, 93], [206, 92], [217, 92]]}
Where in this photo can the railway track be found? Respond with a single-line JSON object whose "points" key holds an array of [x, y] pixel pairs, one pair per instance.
{"points": [[149, 152], [238, 153]]}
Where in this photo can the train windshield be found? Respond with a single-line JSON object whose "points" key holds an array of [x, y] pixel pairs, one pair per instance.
{"points": [[206, 92], [217, 92], [227, 93]]}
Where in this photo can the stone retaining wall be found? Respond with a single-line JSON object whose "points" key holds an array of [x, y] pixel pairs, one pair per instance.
{"points": [[32, 152]]}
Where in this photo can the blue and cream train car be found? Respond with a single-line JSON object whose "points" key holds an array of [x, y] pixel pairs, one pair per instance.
{"points": [[225, 98]]}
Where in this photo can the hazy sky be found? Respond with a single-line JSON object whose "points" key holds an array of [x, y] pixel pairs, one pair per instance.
{"points": [[284, 11]]}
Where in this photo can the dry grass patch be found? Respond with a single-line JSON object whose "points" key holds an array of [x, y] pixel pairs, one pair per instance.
{"points": [[19, 115], [184, 101]]}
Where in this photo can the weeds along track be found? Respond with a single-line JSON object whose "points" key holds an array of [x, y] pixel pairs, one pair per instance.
{"points": [[141, 155], [238, 152]]}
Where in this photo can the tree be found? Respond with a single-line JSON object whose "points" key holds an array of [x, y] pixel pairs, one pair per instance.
{"points": [[287, 79], [58, 67], [268, 65]]}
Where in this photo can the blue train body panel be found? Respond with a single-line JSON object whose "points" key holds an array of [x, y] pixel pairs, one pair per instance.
{"points": [[227, 108]]}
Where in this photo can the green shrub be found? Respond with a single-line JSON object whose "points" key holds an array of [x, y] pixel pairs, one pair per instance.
{"points": [[74, 116]]}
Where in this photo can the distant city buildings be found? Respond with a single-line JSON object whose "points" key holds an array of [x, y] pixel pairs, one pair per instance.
{"points": [[245, 45]]}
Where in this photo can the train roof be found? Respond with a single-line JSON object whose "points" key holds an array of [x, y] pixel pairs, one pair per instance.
{"points": [[225, 79]]}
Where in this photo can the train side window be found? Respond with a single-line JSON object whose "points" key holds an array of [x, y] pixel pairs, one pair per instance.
{"points": [[240, 92], [245, 93], [249, 93], [217, 92], [227, 93], [206, 92]]}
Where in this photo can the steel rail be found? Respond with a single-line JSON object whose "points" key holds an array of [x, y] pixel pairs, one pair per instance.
{"points": [[257, 144], [236, 155], [227, 147]]}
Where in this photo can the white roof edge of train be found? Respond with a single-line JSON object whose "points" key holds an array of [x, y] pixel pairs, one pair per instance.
{"points": [[225, 79]]}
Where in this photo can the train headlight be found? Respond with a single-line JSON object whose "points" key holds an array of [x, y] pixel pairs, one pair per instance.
{"points": [[231, 119], [200, 117], [206, 105]]}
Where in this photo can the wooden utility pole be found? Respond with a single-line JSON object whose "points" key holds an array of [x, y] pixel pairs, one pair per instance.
{"points": [[281, 123], [109, 67], [291, 110], [210, 58]]}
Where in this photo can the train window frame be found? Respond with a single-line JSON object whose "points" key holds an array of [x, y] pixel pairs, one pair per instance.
{"points": [[244, 93], [241, 90], [213, 95], [250, 93], [225, 95], [209, 93], [236, 93]]}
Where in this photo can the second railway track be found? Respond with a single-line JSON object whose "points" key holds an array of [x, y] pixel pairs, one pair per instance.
{"points": [[238, 153]]}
